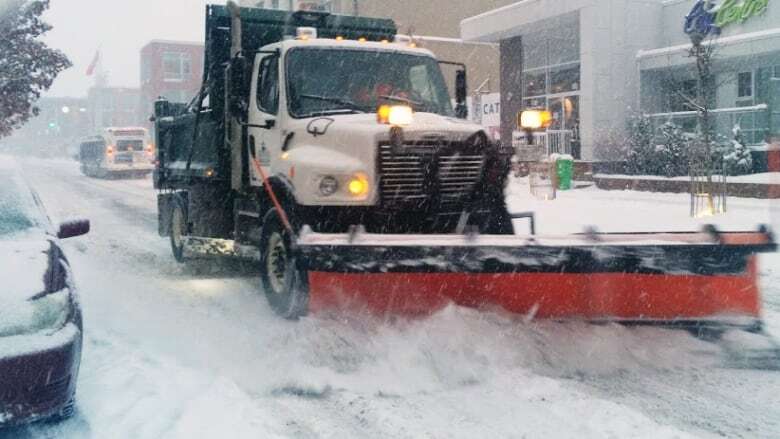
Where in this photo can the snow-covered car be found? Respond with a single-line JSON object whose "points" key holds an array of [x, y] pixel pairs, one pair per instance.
{"points": [[40, 318]]}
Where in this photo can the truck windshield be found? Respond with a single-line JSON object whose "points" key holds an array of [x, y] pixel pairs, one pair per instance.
{"points": [[328, 81]]}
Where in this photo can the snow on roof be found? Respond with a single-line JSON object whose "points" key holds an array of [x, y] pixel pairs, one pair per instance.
{"points": [[353, 44], [494, 25], [723, 41]]}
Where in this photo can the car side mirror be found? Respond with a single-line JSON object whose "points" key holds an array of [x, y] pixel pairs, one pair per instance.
{"points": [[73, 228], [461, 92]]}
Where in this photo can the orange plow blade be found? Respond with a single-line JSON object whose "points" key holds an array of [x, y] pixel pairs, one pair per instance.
{"points": [[675, 279]]}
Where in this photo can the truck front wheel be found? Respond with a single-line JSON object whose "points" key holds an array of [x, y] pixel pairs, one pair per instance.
{"points": [[178, 229], [283, 283]]}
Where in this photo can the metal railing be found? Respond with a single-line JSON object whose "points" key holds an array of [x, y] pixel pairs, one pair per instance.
{"points": [[754, 121], [555, 141]]}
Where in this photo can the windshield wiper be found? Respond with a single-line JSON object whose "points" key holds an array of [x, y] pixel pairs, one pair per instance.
{"points": [[401, 99], [336, 100], [331, 112]]}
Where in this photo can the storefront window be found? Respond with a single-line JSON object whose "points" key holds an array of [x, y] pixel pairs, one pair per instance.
{"points": [[681, 94], [565, 79], [535, 83], [535, 103], [534, 50]]}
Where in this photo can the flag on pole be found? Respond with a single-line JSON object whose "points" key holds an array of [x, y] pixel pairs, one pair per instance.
{"points": [[94, 63]]}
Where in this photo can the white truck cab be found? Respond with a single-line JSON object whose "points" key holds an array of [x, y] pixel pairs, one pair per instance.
{"points": [[313, 118]]}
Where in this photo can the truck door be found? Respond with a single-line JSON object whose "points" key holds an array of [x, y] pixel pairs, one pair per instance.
{"points": [[264, 132]]}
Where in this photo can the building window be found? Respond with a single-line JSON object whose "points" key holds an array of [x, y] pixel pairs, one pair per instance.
{"points": [[535, 83], [776, 74], [564, 79], [745, 86], [683, 93], [177, 66], [146, 71]]}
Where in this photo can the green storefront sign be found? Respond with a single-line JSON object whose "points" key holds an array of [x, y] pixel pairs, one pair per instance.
{"points": [[737, 11]]}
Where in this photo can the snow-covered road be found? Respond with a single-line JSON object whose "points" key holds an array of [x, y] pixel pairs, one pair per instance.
{"points": [[192, 351]]}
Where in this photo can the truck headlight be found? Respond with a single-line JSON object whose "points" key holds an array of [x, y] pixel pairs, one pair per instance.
{"points": [[358, 185], [328, 186]]}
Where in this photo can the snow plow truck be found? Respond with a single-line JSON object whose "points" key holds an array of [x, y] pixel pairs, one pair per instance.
{"points": [[328, 148]]}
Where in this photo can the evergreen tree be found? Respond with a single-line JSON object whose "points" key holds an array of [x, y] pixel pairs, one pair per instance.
{"points": [[639, 147], [671, 151], [28, 66], [736, 155]]}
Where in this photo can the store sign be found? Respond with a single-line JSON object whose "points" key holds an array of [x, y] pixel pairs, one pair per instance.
{"points": [[736, 11], [701, 19], [708, 17], [488, 113]]}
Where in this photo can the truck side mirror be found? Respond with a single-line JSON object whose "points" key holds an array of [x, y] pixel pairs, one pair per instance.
{"points": [[461, 91], [162, 108], [236, 88]]}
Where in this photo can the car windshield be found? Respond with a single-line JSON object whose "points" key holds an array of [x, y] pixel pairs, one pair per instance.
{"points": [[17, 207], [322, 81]]}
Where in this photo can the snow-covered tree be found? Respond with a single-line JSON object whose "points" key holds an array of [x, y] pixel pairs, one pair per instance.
{"points": [[28, 66], [639, 146], [736, 155], [671, 151]]}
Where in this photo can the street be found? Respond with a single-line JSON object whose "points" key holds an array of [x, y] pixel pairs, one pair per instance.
{"points": [[194, 350]]}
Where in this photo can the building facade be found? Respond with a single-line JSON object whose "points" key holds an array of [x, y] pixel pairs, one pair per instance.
{"points": [[172, 69], [593, 63], [112, 107]]}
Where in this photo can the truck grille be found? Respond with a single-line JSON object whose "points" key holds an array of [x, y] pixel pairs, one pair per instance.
{"points": [[428, 174]]}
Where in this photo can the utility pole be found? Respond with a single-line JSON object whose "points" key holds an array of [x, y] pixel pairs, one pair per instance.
{"points": [[355, 10]]}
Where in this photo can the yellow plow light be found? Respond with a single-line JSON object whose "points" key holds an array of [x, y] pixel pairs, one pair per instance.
{"points": [[534, 120], [398, 115]]}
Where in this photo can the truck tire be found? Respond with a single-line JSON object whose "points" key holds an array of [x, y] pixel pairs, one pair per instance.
{"points": [[178, 229], [284, 285]]}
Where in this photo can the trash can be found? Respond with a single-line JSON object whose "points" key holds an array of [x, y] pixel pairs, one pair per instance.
{"points": [[564, 169]]}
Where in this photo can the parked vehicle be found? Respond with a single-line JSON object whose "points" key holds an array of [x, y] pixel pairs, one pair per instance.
{"points": [[117, 151], [40, 318]]}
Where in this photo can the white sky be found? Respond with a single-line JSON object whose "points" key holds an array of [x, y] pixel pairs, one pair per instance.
{"points": [[120, 28]]}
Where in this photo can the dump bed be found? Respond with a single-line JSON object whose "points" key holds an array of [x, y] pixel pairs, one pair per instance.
{"points": [[191, 138]]}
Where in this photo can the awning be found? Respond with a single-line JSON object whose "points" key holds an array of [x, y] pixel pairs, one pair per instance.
{"points": [[740, 45]]}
